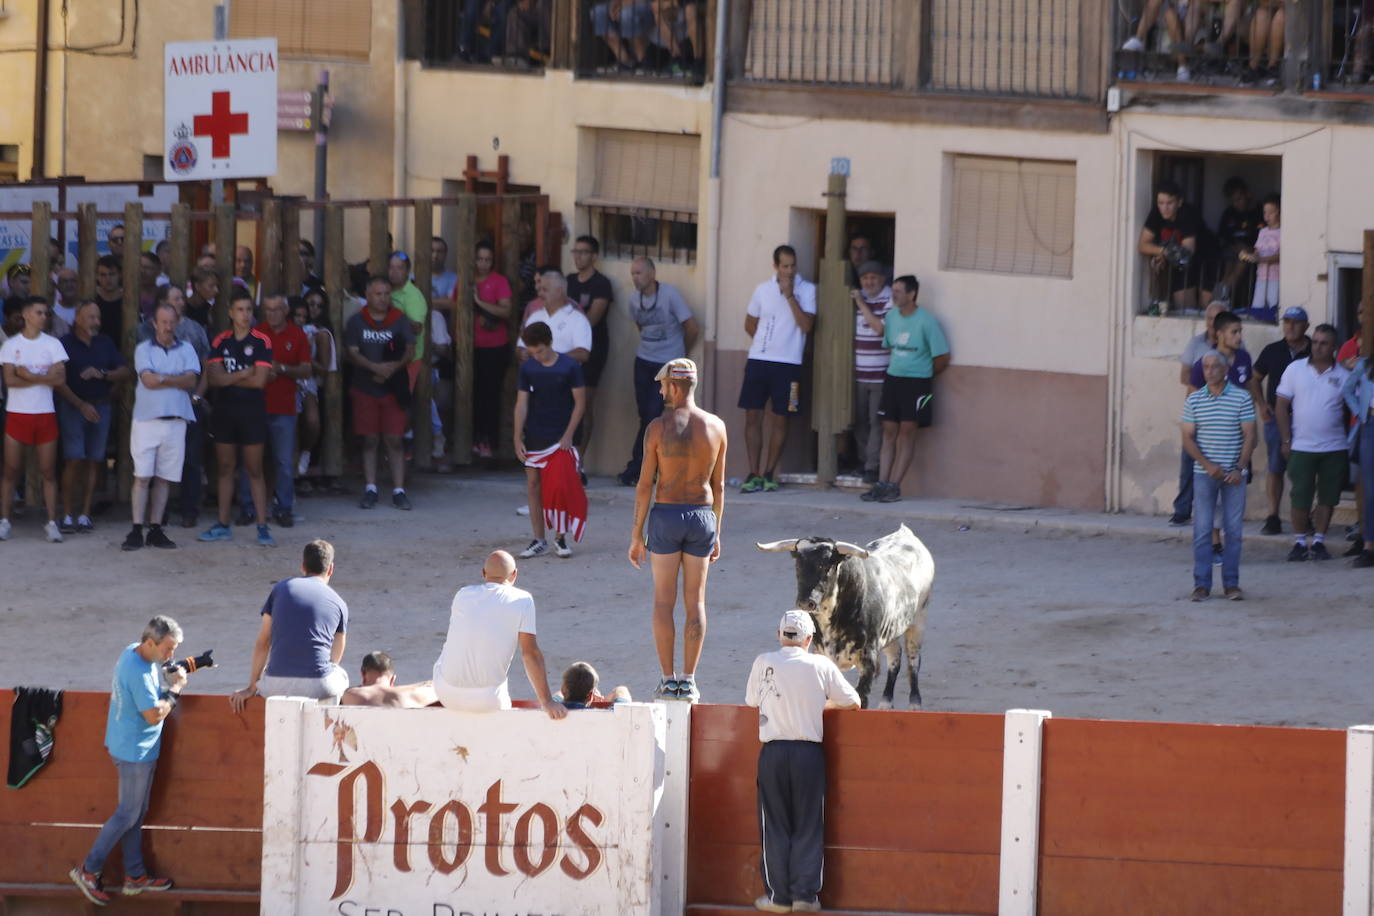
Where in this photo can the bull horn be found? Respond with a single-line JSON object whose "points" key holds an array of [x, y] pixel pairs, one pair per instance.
{"points": [[851, 550], [789, 544]]}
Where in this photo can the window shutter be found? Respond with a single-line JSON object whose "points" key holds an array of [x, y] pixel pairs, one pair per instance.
{"points": [[314, 29], [647, 170], [1012, 216], [1006, 47], [843, 42]]}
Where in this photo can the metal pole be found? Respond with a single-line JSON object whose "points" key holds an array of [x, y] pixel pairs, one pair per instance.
{"points": [[221, 34], [321, 156]]}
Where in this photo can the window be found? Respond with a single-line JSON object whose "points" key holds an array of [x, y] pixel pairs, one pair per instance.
{"points": [[1012, 216], [837, 42], [9, 162], [314, 29], [1006, 47], [644, 194]]}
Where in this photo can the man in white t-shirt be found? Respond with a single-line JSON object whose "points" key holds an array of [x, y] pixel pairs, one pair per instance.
{"points": [[35, 364], [486, 624], [1311, 417], [572, 332], [792, 687], [781, 313]]}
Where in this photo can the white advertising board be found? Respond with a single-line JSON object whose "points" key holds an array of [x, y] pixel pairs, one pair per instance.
{"points": [[429, 812], [220, 109]]}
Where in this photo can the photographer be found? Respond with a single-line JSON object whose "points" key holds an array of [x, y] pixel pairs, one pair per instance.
{"points": [[133, 736], [1170, 240]]}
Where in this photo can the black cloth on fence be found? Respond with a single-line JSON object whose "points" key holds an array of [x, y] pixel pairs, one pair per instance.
{"points": [[32, 720]]}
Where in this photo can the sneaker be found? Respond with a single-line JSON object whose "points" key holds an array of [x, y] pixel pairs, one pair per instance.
{"points": [[768, 906], [666, 689], [303, 464], [538, 547], [134, 541], [872, 494], [158, 538], [892, 493], [265, 537], [1318, 552], [401, 501], [4, 529], [1272, 525], [1297, 554], [522, 510], [1233, 593], [806, 906], [1364, 560], [687, 691], [1183, 74], [67, 526], [1217, 552], [561, 548], [752, 484], [1180, 521], [84, 525], [1133, 44], [217, 532], [284, 518], [369, 499], [1200, 594], [1355, 549], [769, 485], [143, 883], [52, 532], [89, 885]]}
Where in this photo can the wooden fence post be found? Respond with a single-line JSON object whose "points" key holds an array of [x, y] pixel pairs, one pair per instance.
{"points": [[133, 253], [424, 383], [1367, 296], [86, 254], [510, 266], [293, 271], [179, 270], [833, 373], [378, 251], [226, 240], [40, 261], [465, 263], [336, 284], [270, 270]]}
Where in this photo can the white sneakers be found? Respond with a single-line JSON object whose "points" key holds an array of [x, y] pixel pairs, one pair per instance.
{"points": [[52, 533], [561, 548], [538, 547], [1133, 44], [4, 529]]}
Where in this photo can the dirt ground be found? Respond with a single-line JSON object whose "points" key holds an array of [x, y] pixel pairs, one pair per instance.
{"points": [[1085, 625]]}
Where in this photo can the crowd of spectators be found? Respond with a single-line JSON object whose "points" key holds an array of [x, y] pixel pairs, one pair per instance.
{"points": [[1242, 39]]}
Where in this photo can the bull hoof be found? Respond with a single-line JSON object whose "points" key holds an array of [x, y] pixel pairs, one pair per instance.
{"points": [[885, 704]]}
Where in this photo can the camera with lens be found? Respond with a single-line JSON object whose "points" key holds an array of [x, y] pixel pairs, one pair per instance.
{"points": [[190, 665], [1176, 254]]}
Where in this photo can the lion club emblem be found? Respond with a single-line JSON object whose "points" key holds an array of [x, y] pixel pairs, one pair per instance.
{"points": [[182, 156]]}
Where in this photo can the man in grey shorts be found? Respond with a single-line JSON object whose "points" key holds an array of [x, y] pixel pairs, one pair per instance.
{"points": [[684, 454]]}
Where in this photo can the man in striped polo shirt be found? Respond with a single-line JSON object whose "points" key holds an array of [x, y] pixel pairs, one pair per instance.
{"points": [[1219, 435], [871, 301]]}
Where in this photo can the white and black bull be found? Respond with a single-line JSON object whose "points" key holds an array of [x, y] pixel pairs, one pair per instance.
{"points": [[865, 600]]}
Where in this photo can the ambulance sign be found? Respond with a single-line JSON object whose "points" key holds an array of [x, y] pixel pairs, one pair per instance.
{"points": [[220, 109]]}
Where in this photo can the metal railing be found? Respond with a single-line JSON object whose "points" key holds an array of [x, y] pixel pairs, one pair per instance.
{"points": [[632, 232], [644, 39], [1351, 56], [825, 42], [510, 34], [1005, 47]]}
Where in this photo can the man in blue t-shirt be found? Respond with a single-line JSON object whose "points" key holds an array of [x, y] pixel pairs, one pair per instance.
{"points": [[133, 736], [549, 401], [301, 638]]}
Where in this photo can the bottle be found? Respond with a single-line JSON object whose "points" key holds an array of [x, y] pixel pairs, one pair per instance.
{"points": [[794, 397]]}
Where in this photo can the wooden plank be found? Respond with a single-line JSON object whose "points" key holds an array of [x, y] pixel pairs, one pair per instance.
{"points": [[226, 240], [179, 259], [464, 260], [508, 256], [124, 407], [336, 284], [1170, 792], [424, 383], [378, 251], [293, 271], [271, 280], [200, 859], [40, 262], [86, 254]]}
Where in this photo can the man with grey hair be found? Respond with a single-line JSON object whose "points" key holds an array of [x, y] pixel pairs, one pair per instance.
{"points": [[572, 332], [1218, 426], [139, 703], [792, 687], [1183, 502]]}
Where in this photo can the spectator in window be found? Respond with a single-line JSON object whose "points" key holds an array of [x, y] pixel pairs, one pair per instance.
{"points": [[1269, 369], [589, 288], [84, 410], [781, 313], [1172, 24], [290, 364], [1169, 239], [200, 306], [580, 681], [442, 281], [379, 342], [1183, 503], [492, 301], [1219, 433], [527, 33], [1358, 393], [1236, 231], [549, 401], [679, 33], [1311, 420], [871, 300], [667, 331], [1265, 303], [1266, 33], [483, 30], [572, 332], [626, 26], [34, 366]]}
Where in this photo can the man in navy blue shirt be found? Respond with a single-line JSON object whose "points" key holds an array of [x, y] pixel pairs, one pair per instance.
{"points": [[302, 635], [94, 365], [550, 398]]}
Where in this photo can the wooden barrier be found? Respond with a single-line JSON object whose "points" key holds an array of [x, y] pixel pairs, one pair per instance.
{"points": [[203, 826]]}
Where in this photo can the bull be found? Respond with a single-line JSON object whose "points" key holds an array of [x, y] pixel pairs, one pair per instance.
{"points": [[866, 600]]}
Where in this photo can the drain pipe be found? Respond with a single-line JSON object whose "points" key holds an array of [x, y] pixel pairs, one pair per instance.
{"points": [[717, 123], [40, 95]]}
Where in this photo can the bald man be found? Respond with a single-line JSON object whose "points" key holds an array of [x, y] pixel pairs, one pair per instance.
{"points": [[486, 624]]}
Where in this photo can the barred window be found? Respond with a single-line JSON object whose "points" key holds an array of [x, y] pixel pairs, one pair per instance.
{"points": [[1012, 216], [644, 193], [313, 29]]}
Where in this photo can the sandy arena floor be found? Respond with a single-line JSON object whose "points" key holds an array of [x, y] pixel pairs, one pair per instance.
{"points": [[1086, 625]]}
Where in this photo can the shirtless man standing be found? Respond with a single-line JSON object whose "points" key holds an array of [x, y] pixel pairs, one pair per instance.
{"points": [[379, 687], [685, 451]]}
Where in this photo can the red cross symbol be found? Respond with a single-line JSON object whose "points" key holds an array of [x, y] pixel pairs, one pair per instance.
{"points": [[220, 125]]}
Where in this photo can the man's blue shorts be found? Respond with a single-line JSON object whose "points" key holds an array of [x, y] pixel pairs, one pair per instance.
{"points": [[81, 439], [678, 528], [765, 381], [1273, 440]]}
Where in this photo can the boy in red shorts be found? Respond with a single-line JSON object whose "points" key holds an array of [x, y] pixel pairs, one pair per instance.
{"points": [[34, 364]]}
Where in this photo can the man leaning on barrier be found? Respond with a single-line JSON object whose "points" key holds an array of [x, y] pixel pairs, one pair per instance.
{"points": [[133, 735]]}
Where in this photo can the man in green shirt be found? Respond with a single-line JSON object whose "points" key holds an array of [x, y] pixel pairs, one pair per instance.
{"points": [[919, 353], [407, 297]]}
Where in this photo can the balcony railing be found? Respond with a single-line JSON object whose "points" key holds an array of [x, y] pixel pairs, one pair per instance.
{"points": [[508, 34], [666, 40], [1009, 47], [828, 42]]}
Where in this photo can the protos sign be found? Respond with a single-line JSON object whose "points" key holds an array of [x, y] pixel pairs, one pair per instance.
{"points": [[429, 812], [220, 109]]}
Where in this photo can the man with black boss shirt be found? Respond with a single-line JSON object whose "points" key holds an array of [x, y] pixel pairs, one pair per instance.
{"points": [[239, 363], [592, 292], [1170, 240], [549, 401], [380, 343]]}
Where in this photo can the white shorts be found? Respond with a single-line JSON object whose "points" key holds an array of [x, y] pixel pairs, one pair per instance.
{"points": [[470, 699], [326, 689], [158, 447]]}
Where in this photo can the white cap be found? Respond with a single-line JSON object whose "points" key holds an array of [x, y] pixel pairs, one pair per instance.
{"points": [[796, 624]]}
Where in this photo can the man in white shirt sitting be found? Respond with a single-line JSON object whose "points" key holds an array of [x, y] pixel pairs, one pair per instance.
{"points": [[792, 688], [486, 624]]}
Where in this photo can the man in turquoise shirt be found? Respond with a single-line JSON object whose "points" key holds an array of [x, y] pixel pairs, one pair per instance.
{"points": [[133, 736], [919, 353]]}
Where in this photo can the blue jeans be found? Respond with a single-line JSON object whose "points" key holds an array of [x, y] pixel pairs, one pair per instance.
{"points": [[496, 43], [192, 489], [281, 448], [1367, 474], [1205, 493], [1183, 502], [126, 824]]}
